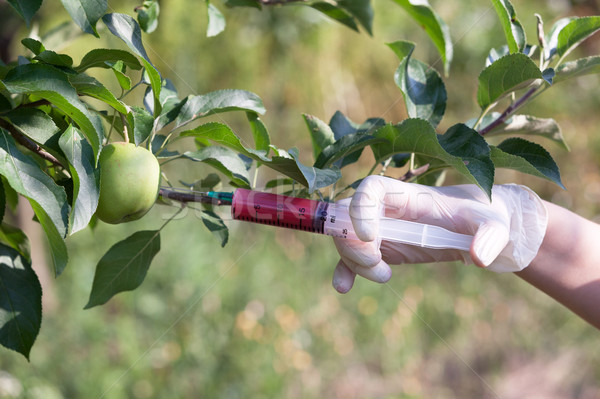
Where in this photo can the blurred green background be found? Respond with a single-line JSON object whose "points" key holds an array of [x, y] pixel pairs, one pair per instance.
{"points": [[259, 318]]}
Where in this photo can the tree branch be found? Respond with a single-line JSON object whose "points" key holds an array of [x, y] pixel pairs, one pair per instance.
{"points": [[508, 111], [29, 144]]}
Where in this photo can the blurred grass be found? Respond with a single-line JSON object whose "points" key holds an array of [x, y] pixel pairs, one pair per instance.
{"points": [[258, 318]]}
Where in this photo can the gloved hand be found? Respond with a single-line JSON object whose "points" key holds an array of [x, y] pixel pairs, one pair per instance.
{"points": [[507, 231]]}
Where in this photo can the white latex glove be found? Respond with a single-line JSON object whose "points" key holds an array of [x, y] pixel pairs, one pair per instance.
{"points": [[508, 231]]}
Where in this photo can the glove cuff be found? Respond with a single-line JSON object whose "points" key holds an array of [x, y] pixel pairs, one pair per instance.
{"points": [[528, 222]]}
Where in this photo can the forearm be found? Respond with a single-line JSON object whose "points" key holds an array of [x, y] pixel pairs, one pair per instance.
{"points": [[567, 266]]}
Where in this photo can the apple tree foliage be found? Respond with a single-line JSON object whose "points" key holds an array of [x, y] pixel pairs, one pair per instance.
{"points": [[51, 136]]}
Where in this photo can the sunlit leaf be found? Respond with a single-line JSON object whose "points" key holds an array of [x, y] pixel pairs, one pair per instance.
{"points": [[436, 28], [576, 31], [262, 141], [552, 37], [216, 20], [219, 101], [513, 30], [127, 29], [124, 266], [223, 159], [86, 13], [89, 86], [507, 74], [53, 85], [86, 178], [48, 200], [320, 133], [106, 58], [579, 67], [147, 15], [422, 87], [33, 123]]}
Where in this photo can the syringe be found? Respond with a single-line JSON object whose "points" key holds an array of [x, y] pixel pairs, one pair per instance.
{"points": [[334, 220]]}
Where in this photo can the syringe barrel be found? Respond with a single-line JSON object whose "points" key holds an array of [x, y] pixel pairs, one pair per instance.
{"points": [[279, 210]]}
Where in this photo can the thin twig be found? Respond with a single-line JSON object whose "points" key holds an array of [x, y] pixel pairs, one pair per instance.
{"points": [[29, 144], [35, 104], [508, 111], [414, 173]]}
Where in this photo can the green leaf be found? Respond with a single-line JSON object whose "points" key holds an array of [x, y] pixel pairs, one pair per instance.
{"points": [[127, 29], [513, 30], [361, 10], [288, 164], [576, 31], [2, 201], [223, 135], [52, 58], [156, 145], [526, 157], [579, 67], [118, 69], [124, 266], [106, 58], [529, 125], [497, 53], [86, 13], [466, 143], [35, 46], [142, 122], [506, 75], [33, 123], [552, 37], [346, 145], [279, 182], [86, 178], [313, 178], [219, 101], [418, 136], [216, 20], [48, 200], [26, 8], [262, 141], [20, 302], [53, 85], [170, 102], [243, 3], [224, 160], [422, 87], [89, 86], [336, 13], [16, 239], [216, 226], [434, 26], [148, 15], [320, 133]]}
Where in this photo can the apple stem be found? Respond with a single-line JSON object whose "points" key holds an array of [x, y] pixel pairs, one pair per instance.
{"points": [[125, 132]]}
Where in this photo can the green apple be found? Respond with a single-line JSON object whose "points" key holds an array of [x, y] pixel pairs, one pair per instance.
{"points": [[129, 182]]}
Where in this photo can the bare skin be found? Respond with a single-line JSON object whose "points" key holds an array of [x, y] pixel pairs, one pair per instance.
{"points": [[567, 266]]}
